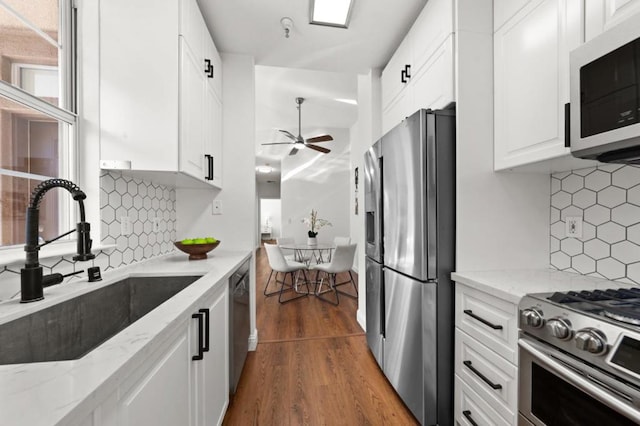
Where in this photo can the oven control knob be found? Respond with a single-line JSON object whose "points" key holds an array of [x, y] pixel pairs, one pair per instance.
{"points": [[591, 340], [559, 328], [532, 317]]}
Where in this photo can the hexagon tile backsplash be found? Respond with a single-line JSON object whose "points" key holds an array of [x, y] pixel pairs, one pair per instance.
{"points": [[143, 203], [607, 198], [120, 196]]}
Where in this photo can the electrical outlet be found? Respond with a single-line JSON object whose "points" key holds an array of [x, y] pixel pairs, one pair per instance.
{"points": [[125, 225], [217, 207], [573, 226], [155, 224]]}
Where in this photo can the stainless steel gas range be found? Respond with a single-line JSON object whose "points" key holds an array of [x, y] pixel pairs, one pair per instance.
{"points": [[580, 358]]}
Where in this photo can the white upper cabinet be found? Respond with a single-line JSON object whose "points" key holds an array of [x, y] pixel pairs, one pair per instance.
{"points": [[158, 70], [505, 9], [600, 15], [531, 78], [532, 42], [420, 74]]}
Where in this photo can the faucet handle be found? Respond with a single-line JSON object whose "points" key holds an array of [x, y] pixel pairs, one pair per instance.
{"points": [[84, 242]]}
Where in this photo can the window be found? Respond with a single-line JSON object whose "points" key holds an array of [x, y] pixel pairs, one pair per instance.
{"points": [[37, 119]]}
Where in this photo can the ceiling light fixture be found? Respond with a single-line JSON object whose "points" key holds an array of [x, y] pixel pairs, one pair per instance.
{"points": [[264, 169], [347, 101], [332, 13], [287, 25]]}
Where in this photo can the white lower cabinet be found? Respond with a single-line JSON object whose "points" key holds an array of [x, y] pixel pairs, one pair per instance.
{"points": [[211, 374], [472, 410], [183, 382], [486, 358], [162, 396]]}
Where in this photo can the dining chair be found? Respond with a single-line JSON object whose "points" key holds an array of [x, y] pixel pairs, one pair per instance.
{"points": [[279, 264], [340, 241], [342, 261]]}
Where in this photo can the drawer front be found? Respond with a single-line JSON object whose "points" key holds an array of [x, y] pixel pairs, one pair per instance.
{"points": [[491, 320], [494, 378], [470, 407]]}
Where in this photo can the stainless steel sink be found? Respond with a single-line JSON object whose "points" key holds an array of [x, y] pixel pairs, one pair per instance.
{"points": [[73, 328]]}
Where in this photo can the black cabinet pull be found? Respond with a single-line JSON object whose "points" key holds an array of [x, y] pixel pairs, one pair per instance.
{"points": [[200, 317], [567, 125], [205, 347], [208, 68], [407, 71], [482, 320], [403, 76], [467, 414], [482, 376], [209, 175]]}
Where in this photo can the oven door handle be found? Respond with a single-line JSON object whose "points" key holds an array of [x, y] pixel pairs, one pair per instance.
{"points": [[580, 382]]}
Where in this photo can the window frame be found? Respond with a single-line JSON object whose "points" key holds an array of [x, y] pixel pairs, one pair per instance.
{"points": [[65, 114]]}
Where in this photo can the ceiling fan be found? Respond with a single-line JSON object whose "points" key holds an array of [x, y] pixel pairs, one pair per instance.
{"points": [[298, 141]]}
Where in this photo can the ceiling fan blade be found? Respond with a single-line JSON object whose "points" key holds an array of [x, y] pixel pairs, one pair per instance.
{"points": [[293, 151], [289, 135], [277, 143], [318, 148], [321, 138]]}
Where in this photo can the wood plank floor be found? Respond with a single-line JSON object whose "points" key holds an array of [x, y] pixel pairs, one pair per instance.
{"points": [[311, 367]]}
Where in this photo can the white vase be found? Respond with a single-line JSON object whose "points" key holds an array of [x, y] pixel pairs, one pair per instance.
{"points": [[312, 241]]}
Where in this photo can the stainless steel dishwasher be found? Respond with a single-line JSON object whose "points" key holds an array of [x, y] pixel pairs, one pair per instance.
{"points": [[239, 319]]}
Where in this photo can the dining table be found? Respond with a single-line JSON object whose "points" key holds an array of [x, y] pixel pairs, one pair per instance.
{"points": [[301, 250]]}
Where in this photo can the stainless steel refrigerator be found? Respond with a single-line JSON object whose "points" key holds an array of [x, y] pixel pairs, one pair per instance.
{"points": [[410, 249]]}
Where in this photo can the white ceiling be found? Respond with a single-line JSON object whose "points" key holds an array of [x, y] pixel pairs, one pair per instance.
{"points": [[252, 27], [317, 63]]}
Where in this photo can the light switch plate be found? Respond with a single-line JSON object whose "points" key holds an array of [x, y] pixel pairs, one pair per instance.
{"points": [[217, 207], [573, 226]]}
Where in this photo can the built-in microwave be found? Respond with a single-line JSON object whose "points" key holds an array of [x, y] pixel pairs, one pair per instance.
{"points": [[605, 95]]}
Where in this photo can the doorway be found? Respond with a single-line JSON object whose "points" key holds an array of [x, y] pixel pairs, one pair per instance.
{"points": [[270, 219]]}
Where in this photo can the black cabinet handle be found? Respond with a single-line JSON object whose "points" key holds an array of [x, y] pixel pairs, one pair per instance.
{"points": [[482, 376], [205, 347], [467, 414], [403, 76], [482, 320], [208, 68], [209, 175], [407, 71], [567, 125], [200, 317]]}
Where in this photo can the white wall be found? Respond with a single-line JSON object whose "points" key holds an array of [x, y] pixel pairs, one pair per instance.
{"points": [[236, 226], [268, 190], [364, 133], [311, 180], [271, 210], [502, 218]]}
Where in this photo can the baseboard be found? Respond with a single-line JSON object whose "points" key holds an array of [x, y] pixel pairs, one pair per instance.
{"points": [[362, 320], [253, 340]]}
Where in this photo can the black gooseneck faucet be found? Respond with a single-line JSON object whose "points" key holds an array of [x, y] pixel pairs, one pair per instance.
{"points": [[32, 281]]}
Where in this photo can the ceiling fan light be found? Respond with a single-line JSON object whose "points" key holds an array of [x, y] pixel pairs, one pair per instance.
{"points": [[332, 13]]}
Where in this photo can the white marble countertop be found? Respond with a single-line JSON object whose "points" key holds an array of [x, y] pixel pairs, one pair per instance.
{"points": [[512, 285], [50, 393]]}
